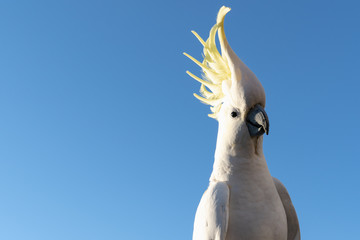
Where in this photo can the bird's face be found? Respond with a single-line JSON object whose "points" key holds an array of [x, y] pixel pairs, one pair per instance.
{"points": [[241, 128]]}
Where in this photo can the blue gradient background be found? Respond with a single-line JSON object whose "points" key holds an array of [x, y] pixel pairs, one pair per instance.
{"points": [[101, 138]]}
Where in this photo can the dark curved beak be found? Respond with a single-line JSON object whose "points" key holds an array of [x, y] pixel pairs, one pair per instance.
{"points": [[257, 121]]}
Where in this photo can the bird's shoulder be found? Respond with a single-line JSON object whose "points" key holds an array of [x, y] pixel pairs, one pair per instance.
{"points": [[291, 216], [212, 214]]}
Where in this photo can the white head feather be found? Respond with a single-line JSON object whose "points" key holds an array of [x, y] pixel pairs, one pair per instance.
{"points": [[226, 77]]}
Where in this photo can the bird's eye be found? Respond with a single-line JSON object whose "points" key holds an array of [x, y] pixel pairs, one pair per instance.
{"points": [[234, 114]]}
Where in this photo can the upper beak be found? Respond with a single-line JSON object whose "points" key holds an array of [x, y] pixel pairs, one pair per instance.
{"points": [[257, 121]]}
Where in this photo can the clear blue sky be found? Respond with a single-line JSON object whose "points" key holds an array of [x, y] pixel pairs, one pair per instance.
{"points": [[101, 138]]}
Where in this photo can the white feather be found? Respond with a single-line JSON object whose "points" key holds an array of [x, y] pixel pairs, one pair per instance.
{"points": [[212, 214]]}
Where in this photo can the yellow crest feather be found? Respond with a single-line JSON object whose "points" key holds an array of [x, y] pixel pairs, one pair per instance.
{"points": [[214, 67]]}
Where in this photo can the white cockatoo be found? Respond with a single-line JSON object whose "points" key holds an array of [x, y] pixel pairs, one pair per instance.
{"points": [[243, 201]]}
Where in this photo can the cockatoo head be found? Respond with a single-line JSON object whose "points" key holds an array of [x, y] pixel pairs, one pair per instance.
{"points": [[236, 96]]}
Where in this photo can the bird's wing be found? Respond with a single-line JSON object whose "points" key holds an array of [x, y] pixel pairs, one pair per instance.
{"points": [[212, 214], [292, 219]]}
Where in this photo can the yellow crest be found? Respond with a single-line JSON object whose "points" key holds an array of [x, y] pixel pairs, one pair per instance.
{"points": [[214, 66]]}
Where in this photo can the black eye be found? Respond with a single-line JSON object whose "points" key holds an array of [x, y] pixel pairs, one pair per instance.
{"points": [[234, 114]]}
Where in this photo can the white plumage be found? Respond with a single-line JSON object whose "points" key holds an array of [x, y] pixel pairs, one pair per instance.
{"points": [[243, 201], [213, 212]]}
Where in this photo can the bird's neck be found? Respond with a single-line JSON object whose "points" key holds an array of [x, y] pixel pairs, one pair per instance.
{"points": [[236, 157]]}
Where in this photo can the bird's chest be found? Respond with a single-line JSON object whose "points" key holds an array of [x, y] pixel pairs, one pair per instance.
{"points": [[256, 213]]}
